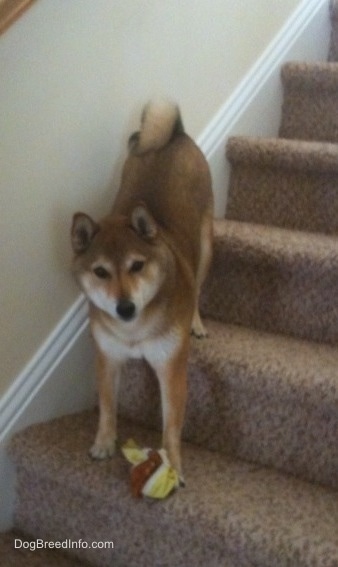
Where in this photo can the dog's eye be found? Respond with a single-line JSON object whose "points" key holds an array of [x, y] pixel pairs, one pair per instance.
{"points": [[101, 273], [136, 266]]}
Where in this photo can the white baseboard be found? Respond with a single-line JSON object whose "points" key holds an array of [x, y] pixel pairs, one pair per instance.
{"points": [[58, 380], [41, 367], [59, 377]]}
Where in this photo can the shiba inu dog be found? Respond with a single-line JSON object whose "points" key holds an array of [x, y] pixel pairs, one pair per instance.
{"points": [[142, 266]]}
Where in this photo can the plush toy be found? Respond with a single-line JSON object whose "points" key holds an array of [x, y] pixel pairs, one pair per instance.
{"points": [[151, 474]]}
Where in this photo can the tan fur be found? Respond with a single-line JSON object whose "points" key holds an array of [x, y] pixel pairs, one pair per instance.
{"points": [[142, 267]]}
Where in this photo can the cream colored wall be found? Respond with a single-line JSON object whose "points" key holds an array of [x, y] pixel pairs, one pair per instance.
{"points": [[74, 75]]}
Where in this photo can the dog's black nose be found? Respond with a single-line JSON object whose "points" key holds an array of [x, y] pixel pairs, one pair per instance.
{"points": [[125, 309]]}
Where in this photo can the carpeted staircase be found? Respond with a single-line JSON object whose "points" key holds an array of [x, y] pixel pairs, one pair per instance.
{"points": [[261, 430]]}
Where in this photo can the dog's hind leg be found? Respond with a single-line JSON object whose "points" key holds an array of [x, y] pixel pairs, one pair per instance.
{"points": [[197, 327]]}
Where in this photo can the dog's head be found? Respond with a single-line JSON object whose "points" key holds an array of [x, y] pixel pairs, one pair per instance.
{"points": [[119, 262]]}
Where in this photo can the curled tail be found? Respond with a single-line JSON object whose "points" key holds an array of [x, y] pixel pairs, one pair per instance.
{"points": [[161, 122]]}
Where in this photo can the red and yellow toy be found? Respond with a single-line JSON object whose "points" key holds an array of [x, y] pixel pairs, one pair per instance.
{"points": [[151, 474]]}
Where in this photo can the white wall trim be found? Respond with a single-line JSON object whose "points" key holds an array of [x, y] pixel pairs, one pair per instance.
{"points": [[42, 365], [220, 126]]}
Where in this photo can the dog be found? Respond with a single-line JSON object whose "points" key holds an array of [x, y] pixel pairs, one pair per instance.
{"points": [[142, 267]]}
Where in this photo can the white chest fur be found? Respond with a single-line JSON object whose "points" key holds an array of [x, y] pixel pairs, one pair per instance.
{"points": [[121, 347]]}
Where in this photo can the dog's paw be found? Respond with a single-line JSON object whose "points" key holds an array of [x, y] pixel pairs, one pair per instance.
{"points": [[197, 328], [100, 451], [199, 333]]}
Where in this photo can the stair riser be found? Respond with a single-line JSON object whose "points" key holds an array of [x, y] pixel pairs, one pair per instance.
{"points": [[284, 198], [310, 114], [43, 516], [272, 294], [258, 425]]}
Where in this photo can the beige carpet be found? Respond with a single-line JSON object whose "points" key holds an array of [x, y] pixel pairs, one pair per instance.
{"points": [[231, 513]]}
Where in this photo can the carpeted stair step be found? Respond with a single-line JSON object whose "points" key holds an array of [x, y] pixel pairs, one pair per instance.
{"points": [[264, 398], [231, 513], [333, 54], [275, 280], [285, 183], [11, 556], [310, 105]]}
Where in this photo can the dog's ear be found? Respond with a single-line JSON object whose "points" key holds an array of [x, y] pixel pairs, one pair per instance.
{"points": [[143, 223], [83, 232]]}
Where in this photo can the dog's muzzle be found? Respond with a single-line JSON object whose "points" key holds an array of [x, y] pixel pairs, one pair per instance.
{"points": [[126, 309]]}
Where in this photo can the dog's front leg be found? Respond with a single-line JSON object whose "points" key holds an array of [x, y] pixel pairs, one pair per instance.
{"points": [[172, 376], [108, 377]]}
